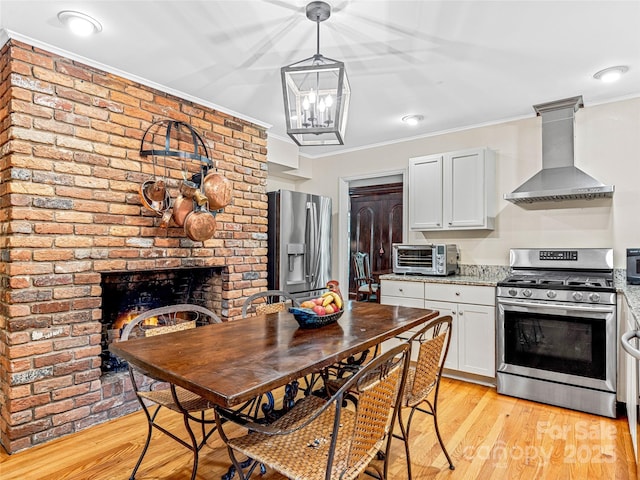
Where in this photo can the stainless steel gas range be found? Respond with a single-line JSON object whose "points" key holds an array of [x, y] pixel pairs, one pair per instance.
{"points": [[556, 328]]}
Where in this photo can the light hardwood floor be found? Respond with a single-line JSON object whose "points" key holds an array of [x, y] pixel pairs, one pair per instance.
{"points": [[489, 436]]}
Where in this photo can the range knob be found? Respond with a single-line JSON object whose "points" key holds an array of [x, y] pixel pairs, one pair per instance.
{"points": [[552, 294], [594, 297], [577, 296], [526, 292], [513, 292]]}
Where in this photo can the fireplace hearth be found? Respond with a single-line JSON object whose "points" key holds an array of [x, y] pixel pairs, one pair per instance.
{"points": [[127, 294]]}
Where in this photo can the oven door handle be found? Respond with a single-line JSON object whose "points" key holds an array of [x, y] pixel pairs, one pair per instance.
{"points": [[575, 308], [625, 341]]}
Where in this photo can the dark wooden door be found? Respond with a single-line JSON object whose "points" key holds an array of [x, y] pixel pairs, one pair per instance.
{"points": [[376, 223]]}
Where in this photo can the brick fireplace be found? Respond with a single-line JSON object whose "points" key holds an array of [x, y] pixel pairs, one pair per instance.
{"points": [[70, 171]]}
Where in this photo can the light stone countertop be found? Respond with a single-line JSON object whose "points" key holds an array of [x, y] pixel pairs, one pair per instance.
{"points": [[483, 275], [631, 293], [490, 275]]}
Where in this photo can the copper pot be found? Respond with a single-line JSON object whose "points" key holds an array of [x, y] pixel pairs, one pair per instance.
{"points": [[156, 191], [181, 208], [159, 207], [218, 190], [190, 190], [199, 225]]}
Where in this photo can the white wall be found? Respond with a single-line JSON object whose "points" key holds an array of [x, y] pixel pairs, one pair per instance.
{"points": [[278, 183], [607, 148]]}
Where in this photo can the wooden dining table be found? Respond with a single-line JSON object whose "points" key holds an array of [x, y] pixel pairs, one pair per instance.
{"points": [[232, 362]]}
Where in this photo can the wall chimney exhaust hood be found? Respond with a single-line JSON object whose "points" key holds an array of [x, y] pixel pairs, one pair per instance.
{"points": [[559, 178]]}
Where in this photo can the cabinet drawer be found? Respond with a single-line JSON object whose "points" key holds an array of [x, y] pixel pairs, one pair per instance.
{"points": [[446, 292], [402, 301], [395, 288]]}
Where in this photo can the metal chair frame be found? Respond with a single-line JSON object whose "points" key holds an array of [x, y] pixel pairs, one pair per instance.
{"points": [[180, 400], [346, 440], [269, 296], [423, 378]]}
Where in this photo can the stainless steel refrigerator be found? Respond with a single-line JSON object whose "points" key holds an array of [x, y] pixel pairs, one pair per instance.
{"points": [[299, 242]]}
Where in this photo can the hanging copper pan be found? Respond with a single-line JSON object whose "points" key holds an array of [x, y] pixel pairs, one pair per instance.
{"points": [[218, 190], [159, 207], [199, 225], [182, 206], [156, 191]]}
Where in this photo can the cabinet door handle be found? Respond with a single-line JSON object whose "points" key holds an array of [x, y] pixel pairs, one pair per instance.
{"points": [[457, 294], [460, 313]]}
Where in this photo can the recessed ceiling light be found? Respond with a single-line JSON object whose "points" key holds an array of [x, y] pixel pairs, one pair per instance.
{"points": [[79, 23], [611, 74], [412, 119]]}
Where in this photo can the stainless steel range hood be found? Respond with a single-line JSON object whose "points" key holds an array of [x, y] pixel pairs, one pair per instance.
{"points": [[559, 178]]}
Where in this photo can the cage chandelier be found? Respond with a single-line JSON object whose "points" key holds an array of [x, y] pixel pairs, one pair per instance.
{"points": [[316, 93]]}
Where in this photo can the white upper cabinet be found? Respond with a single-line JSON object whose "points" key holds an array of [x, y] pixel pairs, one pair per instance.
{"points": [[452, 191], [425, 188]]}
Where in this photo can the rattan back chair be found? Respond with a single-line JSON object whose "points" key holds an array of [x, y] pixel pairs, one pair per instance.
{"points": [[192, 407], [423, 379], [322, 439], [269, 301]]}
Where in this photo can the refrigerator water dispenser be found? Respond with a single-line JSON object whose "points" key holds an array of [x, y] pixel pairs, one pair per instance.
{"points": [[295, 254]]}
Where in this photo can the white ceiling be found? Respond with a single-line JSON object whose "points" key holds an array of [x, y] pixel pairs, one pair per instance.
{"points": [[458, 63]]}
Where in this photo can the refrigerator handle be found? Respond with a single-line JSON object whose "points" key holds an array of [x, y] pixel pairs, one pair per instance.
{"points": [[312, 241]]}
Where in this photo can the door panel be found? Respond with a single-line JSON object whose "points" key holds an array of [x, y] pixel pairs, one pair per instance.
{"points": [[376, 223]]}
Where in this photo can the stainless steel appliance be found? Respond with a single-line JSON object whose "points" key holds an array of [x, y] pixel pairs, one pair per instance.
{"points": [[559, 178], [633, 266], [299, 242], [437, 259], [556, 328]]}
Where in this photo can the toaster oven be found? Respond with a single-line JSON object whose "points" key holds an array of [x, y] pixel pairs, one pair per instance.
{"points": [[435, 259]]}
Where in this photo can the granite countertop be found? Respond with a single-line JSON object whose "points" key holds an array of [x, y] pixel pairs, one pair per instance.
{"points": [[631, 293], [490, 275], [484, 275]]}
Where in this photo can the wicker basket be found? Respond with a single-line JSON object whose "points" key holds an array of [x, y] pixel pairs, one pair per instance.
{"points": [[307, 318]]}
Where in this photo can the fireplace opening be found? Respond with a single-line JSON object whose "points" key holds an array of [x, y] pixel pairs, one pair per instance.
{"points": [[127, 294]]}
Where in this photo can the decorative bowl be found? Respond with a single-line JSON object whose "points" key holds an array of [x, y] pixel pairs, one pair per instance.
{"points": [[307, 318]]}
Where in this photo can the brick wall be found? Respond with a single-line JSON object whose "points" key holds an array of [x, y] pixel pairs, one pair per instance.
{"points": [[69, 177]]}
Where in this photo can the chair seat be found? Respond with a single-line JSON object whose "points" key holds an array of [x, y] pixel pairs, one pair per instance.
{"points": [[302, 454], [365, 288], [189, 400]]}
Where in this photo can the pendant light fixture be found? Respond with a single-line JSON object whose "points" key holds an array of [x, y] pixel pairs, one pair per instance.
{"points": [[316, 93]]}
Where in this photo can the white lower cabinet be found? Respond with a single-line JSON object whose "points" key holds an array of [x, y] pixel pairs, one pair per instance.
{"points": [[472, 348], [628, 387], [472, 308], [405, 294], [473, 339]]}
